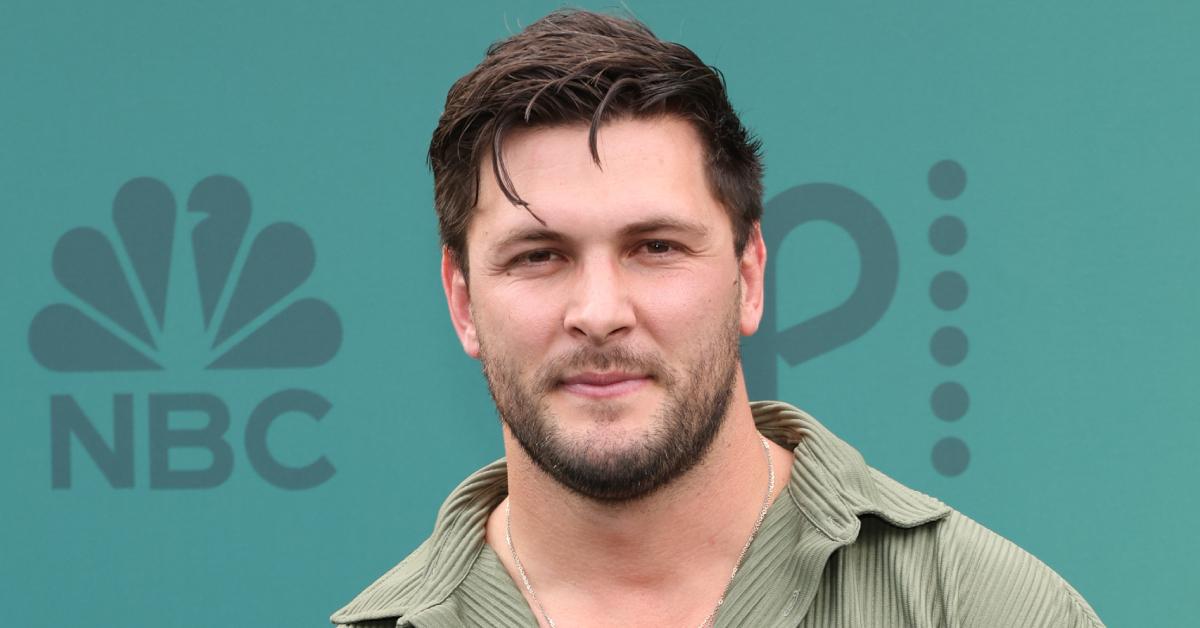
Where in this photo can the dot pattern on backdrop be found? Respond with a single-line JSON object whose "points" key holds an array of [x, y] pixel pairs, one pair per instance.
{"points": [[948, 292]]}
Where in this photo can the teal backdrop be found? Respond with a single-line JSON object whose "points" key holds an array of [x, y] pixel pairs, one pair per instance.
{"points": [[1047, 386]]}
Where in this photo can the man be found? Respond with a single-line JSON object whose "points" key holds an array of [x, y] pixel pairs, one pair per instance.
{"points": [[599, 205]]}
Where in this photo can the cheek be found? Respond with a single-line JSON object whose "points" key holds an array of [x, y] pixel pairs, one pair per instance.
{"points": [[516, 321], [687, 306]]}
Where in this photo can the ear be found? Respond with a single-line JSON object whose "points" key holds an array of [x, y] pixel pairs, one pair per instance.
{"points": [[751, 270], [458, 298]]}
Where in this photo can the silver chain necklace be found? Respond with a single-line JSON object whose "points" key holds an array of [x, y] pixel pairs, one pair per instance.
{"points": [[711, 618]]}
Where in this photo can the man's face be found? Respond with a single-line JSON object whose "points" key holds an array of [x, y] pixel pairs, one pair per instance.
{"points": [[609, 334]]}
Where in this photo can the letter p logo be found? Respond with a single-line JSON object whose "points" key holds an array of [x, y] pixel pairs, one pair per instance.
{"points": [[825, 332]]}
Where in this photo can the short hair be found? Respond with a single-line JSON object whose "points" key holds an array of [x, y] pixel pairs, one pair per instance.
{"points": [[575, 66]]}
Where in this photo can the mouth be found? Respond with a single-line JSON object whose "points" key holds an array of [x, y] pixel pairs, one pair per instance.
{"points": [[596, 385]]}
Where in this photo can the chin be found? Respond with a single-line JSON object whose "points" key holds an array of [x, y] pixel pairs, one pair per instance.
{"points": [[627, 411]]}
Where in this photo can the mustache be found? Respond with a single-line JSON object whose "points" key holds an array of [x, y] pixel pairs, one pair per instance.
{"points": [[607, 359]]}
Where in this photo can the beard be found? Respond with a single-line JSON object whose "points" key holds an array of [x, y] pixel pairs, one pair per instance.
{"points": [[611, 467]]}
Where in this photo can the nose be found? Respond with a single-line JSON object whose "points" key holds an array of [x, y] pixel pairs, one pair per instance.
{"points": [[599, 309]]}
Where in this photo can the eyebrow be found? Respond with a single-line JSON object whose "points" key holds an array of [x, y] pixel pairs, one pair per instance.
{"points": [[666, 223], [523, 235]]}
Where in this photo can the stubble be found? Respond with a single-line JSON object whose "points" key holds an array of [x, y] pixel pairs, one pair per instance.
{"points": [[620, 467]]}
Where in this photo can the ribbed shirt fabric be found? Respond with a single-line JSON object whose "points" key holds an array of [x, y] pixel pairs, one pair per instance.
{"points": [[843, 545]]}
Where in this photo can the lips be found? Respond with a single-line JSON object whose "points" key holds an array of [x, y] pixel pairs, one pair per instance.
{"points": [[604, 385]]}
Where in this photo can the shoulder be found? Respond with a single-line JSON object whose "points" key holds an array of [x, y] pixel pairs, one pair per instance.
{"points": [[895, 539], [956, 568], [423, 585], [990, 581], [390, 596]]}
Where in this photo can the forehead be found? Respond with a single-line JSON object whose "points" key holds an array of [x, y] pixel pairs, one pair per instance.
{"points": [[648, 167]]}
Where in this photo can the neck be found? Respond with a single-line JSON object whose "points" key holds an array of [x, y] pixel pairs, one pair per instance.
{"points": [[682, 540]]}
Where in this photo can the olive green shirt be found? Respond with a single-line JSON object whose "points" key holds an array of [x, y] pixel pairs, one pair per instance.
{"points": [[844, 545]]}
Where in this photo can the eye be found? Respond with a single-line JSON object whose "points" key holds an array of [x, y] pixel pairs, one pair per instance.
{"points": [[658, 247], [533, 258]]}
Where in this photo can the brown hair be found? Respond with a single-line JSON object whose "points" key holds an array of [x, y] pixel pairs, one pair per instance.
{"points": [[580, 67]]}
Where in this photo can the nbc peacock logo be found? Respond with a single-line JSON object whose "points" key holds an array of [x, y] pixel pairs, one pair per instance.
{"points": [[241, 311], [107, 330]]}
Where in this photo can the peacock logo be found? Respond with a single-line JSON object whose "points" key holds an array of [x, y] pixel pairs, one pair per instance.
{"points": [[246, 320]]}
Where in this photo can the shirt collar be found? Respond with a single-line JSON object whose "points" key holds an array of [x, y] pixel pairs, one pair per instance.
{"points": [[830, 483]]}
